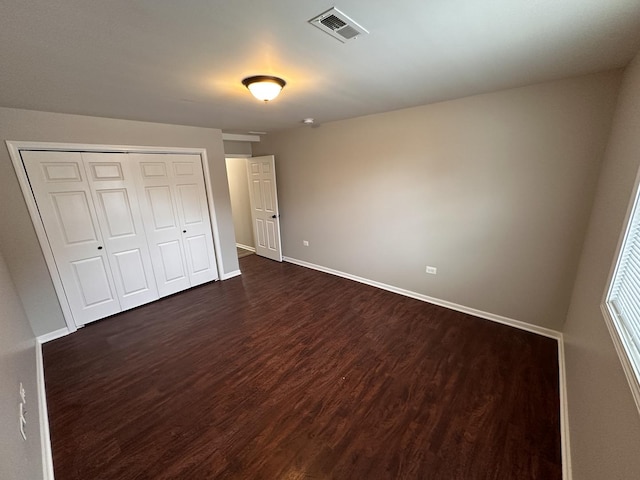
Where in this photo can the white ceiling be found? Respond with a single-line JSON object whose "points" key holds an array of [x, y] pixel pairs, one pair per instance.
{"points": [[182, 61]]}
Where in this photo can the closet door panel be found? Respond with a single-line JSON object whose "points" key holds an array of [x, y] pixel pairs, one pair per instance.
{"points": [[74, 217], [162, 211], [116, 207], [92, 280], [113, 188], [172, 261], [198, 253], [132, 271], [190, 205], [193, 213], [63, 196], [161, 221]]}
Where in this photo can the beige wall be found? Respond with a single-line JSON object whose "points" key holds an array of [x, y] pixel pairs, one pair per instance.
{"points": [[603, 419], [18, 459], [494, 190], [18, 241], [237, 148], [240, 203]]}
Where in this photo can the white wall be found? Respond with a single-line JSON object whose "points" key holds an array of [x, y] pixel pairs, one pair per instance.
{"points": [[240, 202], [18, 241], [603, 419], [19, 459], [494, 190]]}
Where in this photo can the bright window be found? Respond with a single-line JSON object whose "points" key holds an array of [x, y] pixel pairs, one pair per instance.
{"points": [[622, 302]]}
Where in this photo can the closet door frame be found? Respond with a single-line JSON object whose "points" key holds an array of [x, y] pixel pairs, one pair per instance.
{"points": [[15, 147]]}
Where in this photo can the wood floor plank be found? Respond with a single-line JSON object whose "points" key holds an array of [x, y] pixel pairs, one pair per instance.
{"points": [[288, 373]]}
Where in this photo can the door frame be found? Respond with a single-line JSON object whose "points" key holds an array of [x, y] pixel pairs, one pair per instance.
{"points": [[15, 147]]}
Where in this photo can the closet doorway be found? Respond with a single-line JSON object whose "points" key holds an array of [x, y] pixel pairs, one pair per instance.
{"points": [[118, 226]]}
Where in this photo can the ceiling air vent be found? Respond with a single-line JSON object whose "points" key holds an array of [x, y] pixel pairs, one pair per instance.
{"points": [[338, 25]]}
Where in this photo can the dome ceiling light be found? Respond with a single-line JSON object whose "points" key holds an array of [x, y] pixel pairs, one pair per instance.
{"points": [[264, 87]]}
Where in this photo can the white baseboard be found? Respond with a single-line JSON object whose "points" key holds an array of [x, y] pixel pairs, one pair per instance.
{"points": [[229, 275], [45, 438], [567, 472], [246, 247], [547, 332], [47, 337]]}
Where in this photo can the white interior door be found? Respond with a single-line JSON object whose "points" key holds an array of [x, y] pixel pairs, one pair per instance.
{"points": [[174, 207], [114, 195], [261, 172], [63, 196]]}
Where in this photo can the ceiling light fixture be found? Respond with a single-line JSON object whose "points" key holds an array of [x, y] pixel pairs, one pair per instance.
{"points": [[264, 87]]}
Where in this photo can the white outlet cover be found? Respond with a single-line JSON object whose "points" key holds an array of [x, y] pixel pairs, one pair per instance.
{"points": [[305, 243], [432, 270]]}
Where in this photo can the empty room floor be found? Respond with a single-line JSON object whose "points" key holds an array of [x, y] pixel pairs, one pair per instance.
{"points": [[287, 373]]}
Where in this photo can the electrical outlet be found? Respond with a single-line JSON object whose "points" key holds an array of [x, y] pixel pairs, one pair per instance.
{"points": [[305, 243], [23, 395], [432, 270]]}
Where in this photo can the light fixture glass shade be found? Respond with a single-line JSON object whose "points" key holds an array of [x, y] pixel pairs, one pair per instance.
{"points": [[263, 87]]}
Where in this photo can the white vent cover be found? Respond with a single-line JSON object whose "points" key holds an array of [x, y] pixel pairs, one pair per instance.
{"points": [[338, 25]]}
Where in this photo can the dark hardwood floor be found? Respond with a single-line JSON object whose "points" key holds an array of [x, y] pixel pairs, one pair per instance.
{"points": [[286, 373]]}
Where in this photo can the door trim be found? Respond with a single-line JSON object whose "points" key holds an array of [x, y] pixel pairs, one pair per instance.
{"points": [[15, 147]]}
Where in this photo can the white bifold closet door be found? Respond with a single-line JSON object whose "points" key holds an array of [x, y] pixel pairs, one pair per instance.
{"points": [[89, 209], [176, 216], [124, 229], [116, 203]]}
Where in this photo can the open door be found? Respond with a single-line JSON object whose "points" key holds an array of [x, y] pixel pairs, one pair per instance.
{"points": [[261, 173]]}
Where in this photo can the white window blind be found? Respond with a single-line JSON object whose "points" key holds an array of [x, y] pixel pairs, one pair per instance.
{"points": [[623, 299]]}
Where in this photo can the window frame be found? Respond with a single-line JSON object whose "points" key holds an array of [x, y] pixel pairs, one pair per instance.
{"points": [[626, 350]]}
